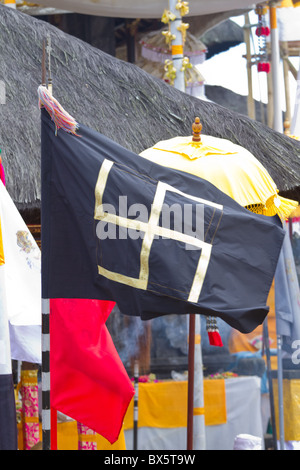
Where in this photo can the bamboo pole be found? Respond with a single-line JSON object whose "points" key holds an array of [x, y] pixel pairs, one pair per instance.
{"points": [[288, 114], [270, 107], [275, 68], [250, 100]]}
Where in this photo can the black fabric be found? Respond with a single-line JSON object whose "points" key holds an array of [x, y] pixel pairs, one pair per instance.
{"points": [[245, 246], [8, 419]]}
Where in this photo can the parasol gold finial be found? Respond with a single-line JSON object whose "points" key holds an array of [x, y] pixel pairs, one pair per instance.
{"points": [[197, 127]]}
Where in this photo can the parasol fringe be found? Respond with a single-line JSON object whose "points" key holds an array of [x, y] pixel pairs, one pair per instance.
{"points": [[275, 205], [59, 116]]}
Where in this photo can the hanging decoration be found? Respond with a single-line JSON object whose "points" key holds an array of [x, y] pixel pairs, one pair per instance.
{"points": [[154, 47], [177, 50], [170, 72], [183, 7], [262, 32], [169, 37], [213, 332], [175, 38], [167, 16], [183, 29]]}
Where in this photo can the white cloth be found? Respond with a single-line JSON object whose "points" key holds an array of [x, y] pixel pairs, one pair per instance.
{"points": [[22, 282], [243, 403], [247, 442], [5, 356]]}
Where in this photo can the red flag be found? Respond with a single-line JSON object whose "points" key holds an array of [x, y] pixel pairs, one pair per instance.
{"points": [[88, 380]]}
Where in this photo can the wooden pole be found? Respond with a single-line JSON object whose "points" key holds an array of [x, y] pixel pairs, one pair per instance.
{"points": [[44, 64], [196, 127], [49, 49]]}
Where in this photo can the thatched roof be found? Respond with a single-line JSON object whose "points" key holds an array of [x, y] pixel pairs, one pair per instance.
{"points": [[116, 98]]}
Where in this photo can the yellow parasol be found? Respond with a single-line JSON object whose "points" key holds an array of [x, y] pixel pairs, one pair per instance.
{"points": [[237, 173], [230, 167]]}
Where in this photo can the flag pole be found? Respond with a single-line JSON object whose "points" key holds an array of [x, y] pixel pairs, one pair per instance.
{"points": [[46, 417], [196, 127], [135, 404], [270, 382], [49, 415], [191, 367]]}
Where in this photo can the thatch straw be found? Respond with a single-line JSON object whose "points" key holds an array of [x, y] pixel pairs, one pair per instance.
{"points": [[116, 98]]}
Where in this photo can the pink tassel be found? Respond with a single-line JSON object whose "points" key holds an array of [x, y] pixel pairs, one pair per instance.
{"points": [[2, 174], [59, 116]]}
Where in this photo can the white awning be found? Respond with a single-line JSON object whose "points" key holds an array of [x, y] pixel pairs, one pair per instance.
{"points": [[142, 9]]}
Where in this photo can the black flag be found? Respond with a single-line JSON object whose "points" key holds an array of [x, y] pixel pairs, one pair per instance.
{"points": [[108, 233]]}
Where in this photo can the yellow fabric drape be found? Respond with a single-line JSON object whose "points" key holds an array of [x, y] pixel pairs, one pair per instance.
{"points": [[164, 404], [2, 260], [291, 407], [67, 438], [245, 342], [161, 405], [215, 402]]}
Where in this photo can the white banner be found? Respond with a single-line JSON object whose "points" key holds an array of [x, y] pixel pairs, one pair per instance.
{"points": [[5, 359], [22, 282]]}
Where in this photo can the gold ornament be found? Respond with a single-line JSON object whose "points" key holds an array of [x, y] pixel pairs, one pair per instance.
{"points": [[167, 16], [183, 28], [183, 7], [169, 37], [185, 64], [170, 70]]}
